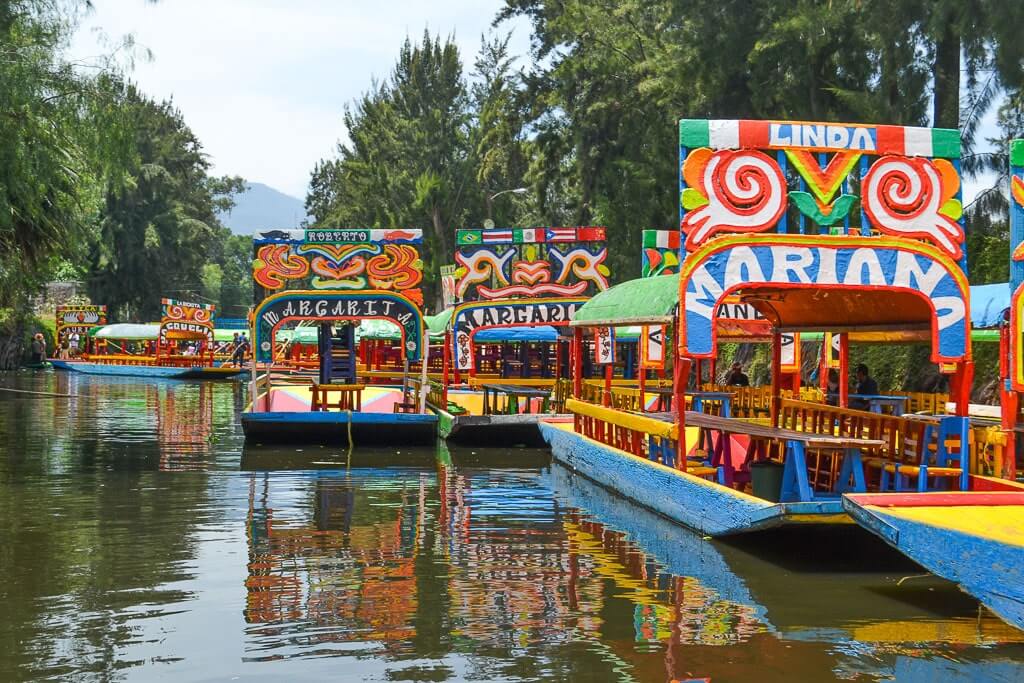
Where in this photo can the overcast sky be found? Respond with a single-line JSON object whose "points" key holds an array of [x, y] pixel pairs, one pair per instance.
{"points": [[263, 82]]}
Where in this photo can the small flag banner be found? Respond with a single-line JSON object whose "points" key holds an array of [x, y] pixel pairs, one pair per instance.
{"points": [[832, 346], [604, 345], [790, 356], [661, 239], [530, 235], [652, 346]]}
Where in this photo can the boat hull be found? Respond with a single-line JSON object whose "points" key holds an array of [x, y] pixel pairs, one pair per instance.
{"points": [[704, 506], [150, 371], [491, 430], [972, 538], [400, 429]]}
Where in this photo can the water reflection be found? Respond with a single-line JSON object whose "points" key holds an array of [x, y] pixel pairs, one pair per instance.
{"points": [[134, 547]]}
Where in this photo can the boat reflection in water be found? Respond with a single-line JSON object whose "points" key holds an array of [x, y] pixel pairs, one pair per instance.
{"points": [[465, 570]]}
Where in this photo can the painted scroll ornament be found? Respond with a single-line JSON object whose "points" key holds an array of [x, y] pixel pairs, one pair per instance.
{"points": [[274, 264], [915, 197], [731, 191], [1017, 189]]}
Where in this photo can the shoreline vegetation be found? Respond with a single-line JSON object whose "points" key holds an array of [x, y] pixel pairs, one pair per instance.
{"points": [[102, 184]]}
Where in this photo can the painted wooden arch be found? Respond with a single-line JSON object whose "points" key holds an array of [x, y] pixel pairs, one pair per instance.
{"points": [[828, 283], [186, 320], [337, 306], [469, 318]]}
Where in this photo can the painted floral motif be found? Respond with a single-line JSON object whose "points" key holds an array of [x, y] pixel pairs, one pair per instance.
{"points": [[731, 191], [915, 197]]}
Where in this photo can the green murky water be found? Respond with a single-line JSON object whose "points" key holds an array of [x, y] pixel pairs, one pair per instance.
{"points": [[139, 540]]}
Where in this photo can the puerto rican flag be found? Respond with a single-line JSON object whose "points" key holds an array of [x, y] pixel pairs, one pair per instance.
{"points": [[496, 236], [561, 234]]}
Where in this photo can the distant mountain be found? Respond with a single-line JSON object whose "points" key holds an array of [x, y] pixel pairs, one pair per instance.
{"points": [[260, 208]]}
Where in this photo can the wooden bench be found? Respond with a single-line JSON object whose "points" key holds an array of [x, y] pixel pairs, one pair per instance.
{"points": [[792, 448], [350, 396]]}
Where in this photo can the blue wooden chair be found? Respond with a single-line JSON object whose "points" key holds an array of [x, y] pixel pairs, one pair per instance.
{"points": [[952, 446]]}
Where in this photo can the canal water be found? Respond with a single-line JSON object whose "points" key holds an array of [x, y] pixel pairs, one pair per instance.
{"points": [[140, 540]]}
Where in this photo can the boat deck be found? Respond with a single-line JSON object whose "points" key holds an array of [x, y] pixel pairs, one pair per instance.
{"points": [[286, 416]]}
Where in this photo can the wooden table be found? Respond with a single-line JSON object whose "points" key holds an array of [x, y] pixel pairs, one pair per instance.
{"points": [[795, 485], [878, 401], [513, 394], [350, 396], [724, 397]]}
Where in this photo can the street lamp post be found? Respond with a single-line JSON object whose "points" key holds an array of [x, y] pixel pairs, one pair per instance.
{"points": [[490, 200]]}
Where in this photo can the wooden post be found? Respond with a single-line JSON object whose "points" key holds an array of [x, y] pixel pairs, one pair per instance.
{"points": [[680, 373], [844, 370], [642, 377], [823, 357], [776, 376], [576, 356], [252, 366], [424, 360], [609, 371], [446, 361]]}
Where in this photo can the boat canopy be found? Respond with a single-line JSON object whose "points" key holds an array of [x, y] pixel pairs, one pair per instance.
{"points": [[128, 331], [646, 301], [988, 303], [439, 322]]}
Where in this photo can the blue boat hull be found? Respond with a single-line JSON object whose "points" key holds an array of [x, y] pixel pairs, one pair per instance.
{"points": [[706, 507], [986, 567], [150, 371], [334, 428]]}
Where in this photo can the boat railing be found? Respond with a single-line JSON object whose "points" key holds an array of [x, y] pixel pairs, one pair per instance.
{"points": [[906, 439], [639, 435], [118, 359]]}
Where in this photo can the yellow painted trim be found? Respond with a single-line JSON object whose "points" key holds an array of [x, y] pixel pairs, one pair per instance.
{"points": [[622, 419], [998, 523], [477, 382], [651, 463]]}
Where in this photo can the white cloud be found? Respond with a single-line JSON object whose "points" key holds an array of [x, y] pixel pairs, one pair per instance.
{"points": [[263, 83]]}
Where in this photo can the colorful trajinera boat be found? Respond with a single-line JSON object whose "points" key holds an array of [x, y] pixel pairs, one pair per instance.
{"points": [[974, 538], [334, 280], [180, 347], [850, 231], [506, 360]]}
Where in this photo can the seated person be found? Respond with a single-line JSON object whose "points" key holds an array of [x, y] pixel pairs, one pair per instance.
{"points": [[832, 388], [736, 378], [866, 386]]}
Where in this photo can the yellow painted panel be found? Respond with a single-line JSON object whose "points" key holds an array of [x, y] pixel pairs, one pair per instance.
{"points": [[1001, 523]]}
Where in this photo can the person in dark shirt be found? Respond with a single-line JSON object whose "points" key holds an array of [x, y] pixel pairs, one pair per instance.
{"points": [[38, 349], [832, 388], [736, 378], [866, 386]]}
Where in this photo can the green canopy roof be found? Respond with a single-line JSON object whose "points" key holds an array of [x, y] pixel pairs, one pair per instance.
{"points": [[437, 324], [647, 301]]}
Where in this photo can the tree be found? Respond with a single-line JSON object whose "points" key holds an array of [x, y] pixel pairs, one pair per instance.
{"points": [[158, 224], [58, 133], [408, 160]]}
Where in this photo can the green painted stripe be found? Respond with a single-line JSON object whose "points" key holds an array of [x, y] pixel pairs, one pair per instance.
{"points": [[694, 133], [650, 238], [1016, 152], [945, 143]]}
